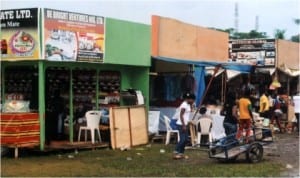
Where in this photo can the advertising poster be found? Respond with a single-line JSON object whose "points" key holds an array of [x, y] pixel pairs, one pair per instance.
{"points": [[20, 34], [72, 36], [260, 52]]}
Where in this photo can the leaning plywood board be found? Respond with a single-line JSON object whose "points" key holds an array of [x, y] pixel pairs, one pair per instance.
{"points": [[119, 127], [138, 123]]}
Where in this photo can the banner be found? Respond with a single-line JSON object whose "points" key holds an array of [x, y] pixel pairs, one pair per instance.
{"points": [[20, 34], [72, 36], [260, 52]]}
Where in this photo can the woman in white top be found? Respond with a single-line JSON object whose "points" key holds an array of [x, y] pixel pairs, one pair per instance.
{"points": [[182, 123]]}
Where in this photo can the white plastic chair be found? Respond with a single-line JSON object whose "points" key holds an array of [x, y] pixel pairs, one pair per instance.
{"points": [[170, 130], [205, 127], [92, 120]]}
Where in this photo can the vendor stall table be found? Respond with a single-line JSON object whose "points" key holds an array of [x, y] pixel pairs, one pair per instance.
{"points": [[20, 130]]}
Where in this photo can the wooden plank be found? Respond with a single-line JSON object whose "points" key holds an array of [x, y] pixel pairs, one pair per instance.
{"points": [[120, 136], [139, 127], [112, 127], [22, 145], [66, 145], [130, 128]]}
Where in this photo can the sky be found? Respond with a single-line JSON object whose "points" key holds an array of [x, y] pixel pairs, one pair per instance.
{"points": [[272, 14]]}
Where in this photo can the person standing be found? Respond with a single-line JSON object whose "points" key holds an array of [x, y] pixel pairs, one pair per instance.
{"points": [[59, 111], [245, 118], [264, 105], [230, 113], [182, 124], [296, 100]]}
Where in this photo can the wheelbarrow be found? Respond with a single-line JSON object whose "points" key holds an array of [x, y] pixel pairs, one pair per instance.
{"points": [[229, 148]]}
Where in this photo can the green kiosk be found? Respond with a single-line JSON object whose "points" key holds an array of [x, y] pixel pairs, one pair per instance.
{"points": [[62, 64]]}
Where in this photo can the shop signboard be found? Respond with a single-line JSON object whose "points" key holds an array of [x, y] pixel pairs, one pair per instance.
{"points": [[72, 36], [260, 52], [20, 34]]}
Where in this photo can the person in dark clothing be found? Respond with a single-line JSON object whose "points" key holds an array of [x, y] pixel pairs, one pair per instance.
{"points": [[230, 113], [58, 105]]}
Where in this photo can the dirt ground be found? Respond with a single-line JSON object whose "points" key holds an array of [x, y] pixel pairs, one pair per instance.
{"points": [[285, 150]]}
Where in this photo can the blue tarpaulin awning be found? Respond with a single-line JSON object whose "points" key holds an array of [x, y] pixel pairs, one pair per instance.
{"points": [[199, 72], [244, 68]]}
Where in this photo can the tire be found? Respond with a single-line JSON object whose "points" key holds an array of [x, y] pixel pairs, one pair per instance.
{"points": [[254, 153]]}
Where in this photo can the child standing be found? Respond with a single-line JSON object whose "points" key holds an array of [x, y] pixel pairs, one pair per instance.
{"points": [[245, 119]]}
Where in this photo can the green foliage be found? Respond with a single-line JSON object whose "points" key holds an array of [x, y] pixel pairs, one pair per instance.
{"points": [[242, 35], [279, 34], [297, 21], [295, 38], [250, 35]]}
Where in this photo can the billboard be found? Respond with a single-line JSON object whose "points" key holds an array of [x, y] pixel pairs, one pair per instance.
{"points": [[260, 52], [72, 36], [20, 34]]}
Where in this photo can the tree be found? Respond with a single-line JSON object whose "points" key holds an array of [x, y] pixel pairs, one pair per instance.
{"points": [[230, 31], [279, 34], [250, 35], [297, 21], [295, 38], [242, 35]]}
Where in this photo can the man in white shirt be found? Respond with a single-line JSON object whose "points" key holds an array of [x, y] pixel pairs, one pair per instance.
{"points": [[182, 124]]}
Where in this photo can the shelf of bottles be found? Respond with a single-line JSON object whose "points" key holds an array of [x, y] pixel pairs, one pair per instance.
{"points": [[84, 89], [19, 83], [109, 88]]}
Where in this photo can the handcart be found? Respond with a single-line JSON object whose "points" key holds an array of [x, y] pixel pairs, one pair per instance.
{"points": [[229, 148]]}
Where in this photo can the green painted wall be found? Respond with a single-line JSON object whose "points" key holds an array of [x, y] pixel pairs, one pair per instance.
{"points": [[127, 43], [127, 49]]}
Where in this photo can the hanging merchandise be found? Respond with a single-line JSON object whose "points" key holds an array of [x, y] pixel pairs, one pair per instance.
{"points": [[172, 87], [200, 79], [159, 85], [275, 84], [188, 84]]}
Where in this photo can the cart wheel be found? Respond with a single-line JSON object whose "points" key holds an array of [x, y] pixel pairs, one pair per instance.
{"points": [[254, 153]]}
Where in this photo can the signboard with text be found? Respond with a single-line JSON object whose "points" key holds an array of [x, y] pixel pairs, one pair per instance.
{"points": [[260, 52], [72, 36], [20, 34]]}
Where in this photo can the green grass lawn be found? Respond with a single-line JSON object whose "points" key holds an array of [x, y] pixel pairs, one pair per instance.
{"points": [[139, 161]]}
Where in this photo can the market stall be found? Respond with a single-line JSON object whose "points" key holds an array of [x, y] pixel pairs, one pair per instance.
{"points": [[173, 39], [69, 70]]}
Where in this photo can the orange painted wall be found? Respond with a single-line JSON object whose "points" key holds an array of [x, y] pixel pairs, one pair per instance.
{"points": [[288, 53], [172, 38]]}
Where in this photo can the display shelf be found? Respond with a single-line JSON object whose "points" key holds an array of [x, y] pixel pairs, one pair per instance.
{"points": [[84, 88], [109, 88], [57, 80], [19, 83]]}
